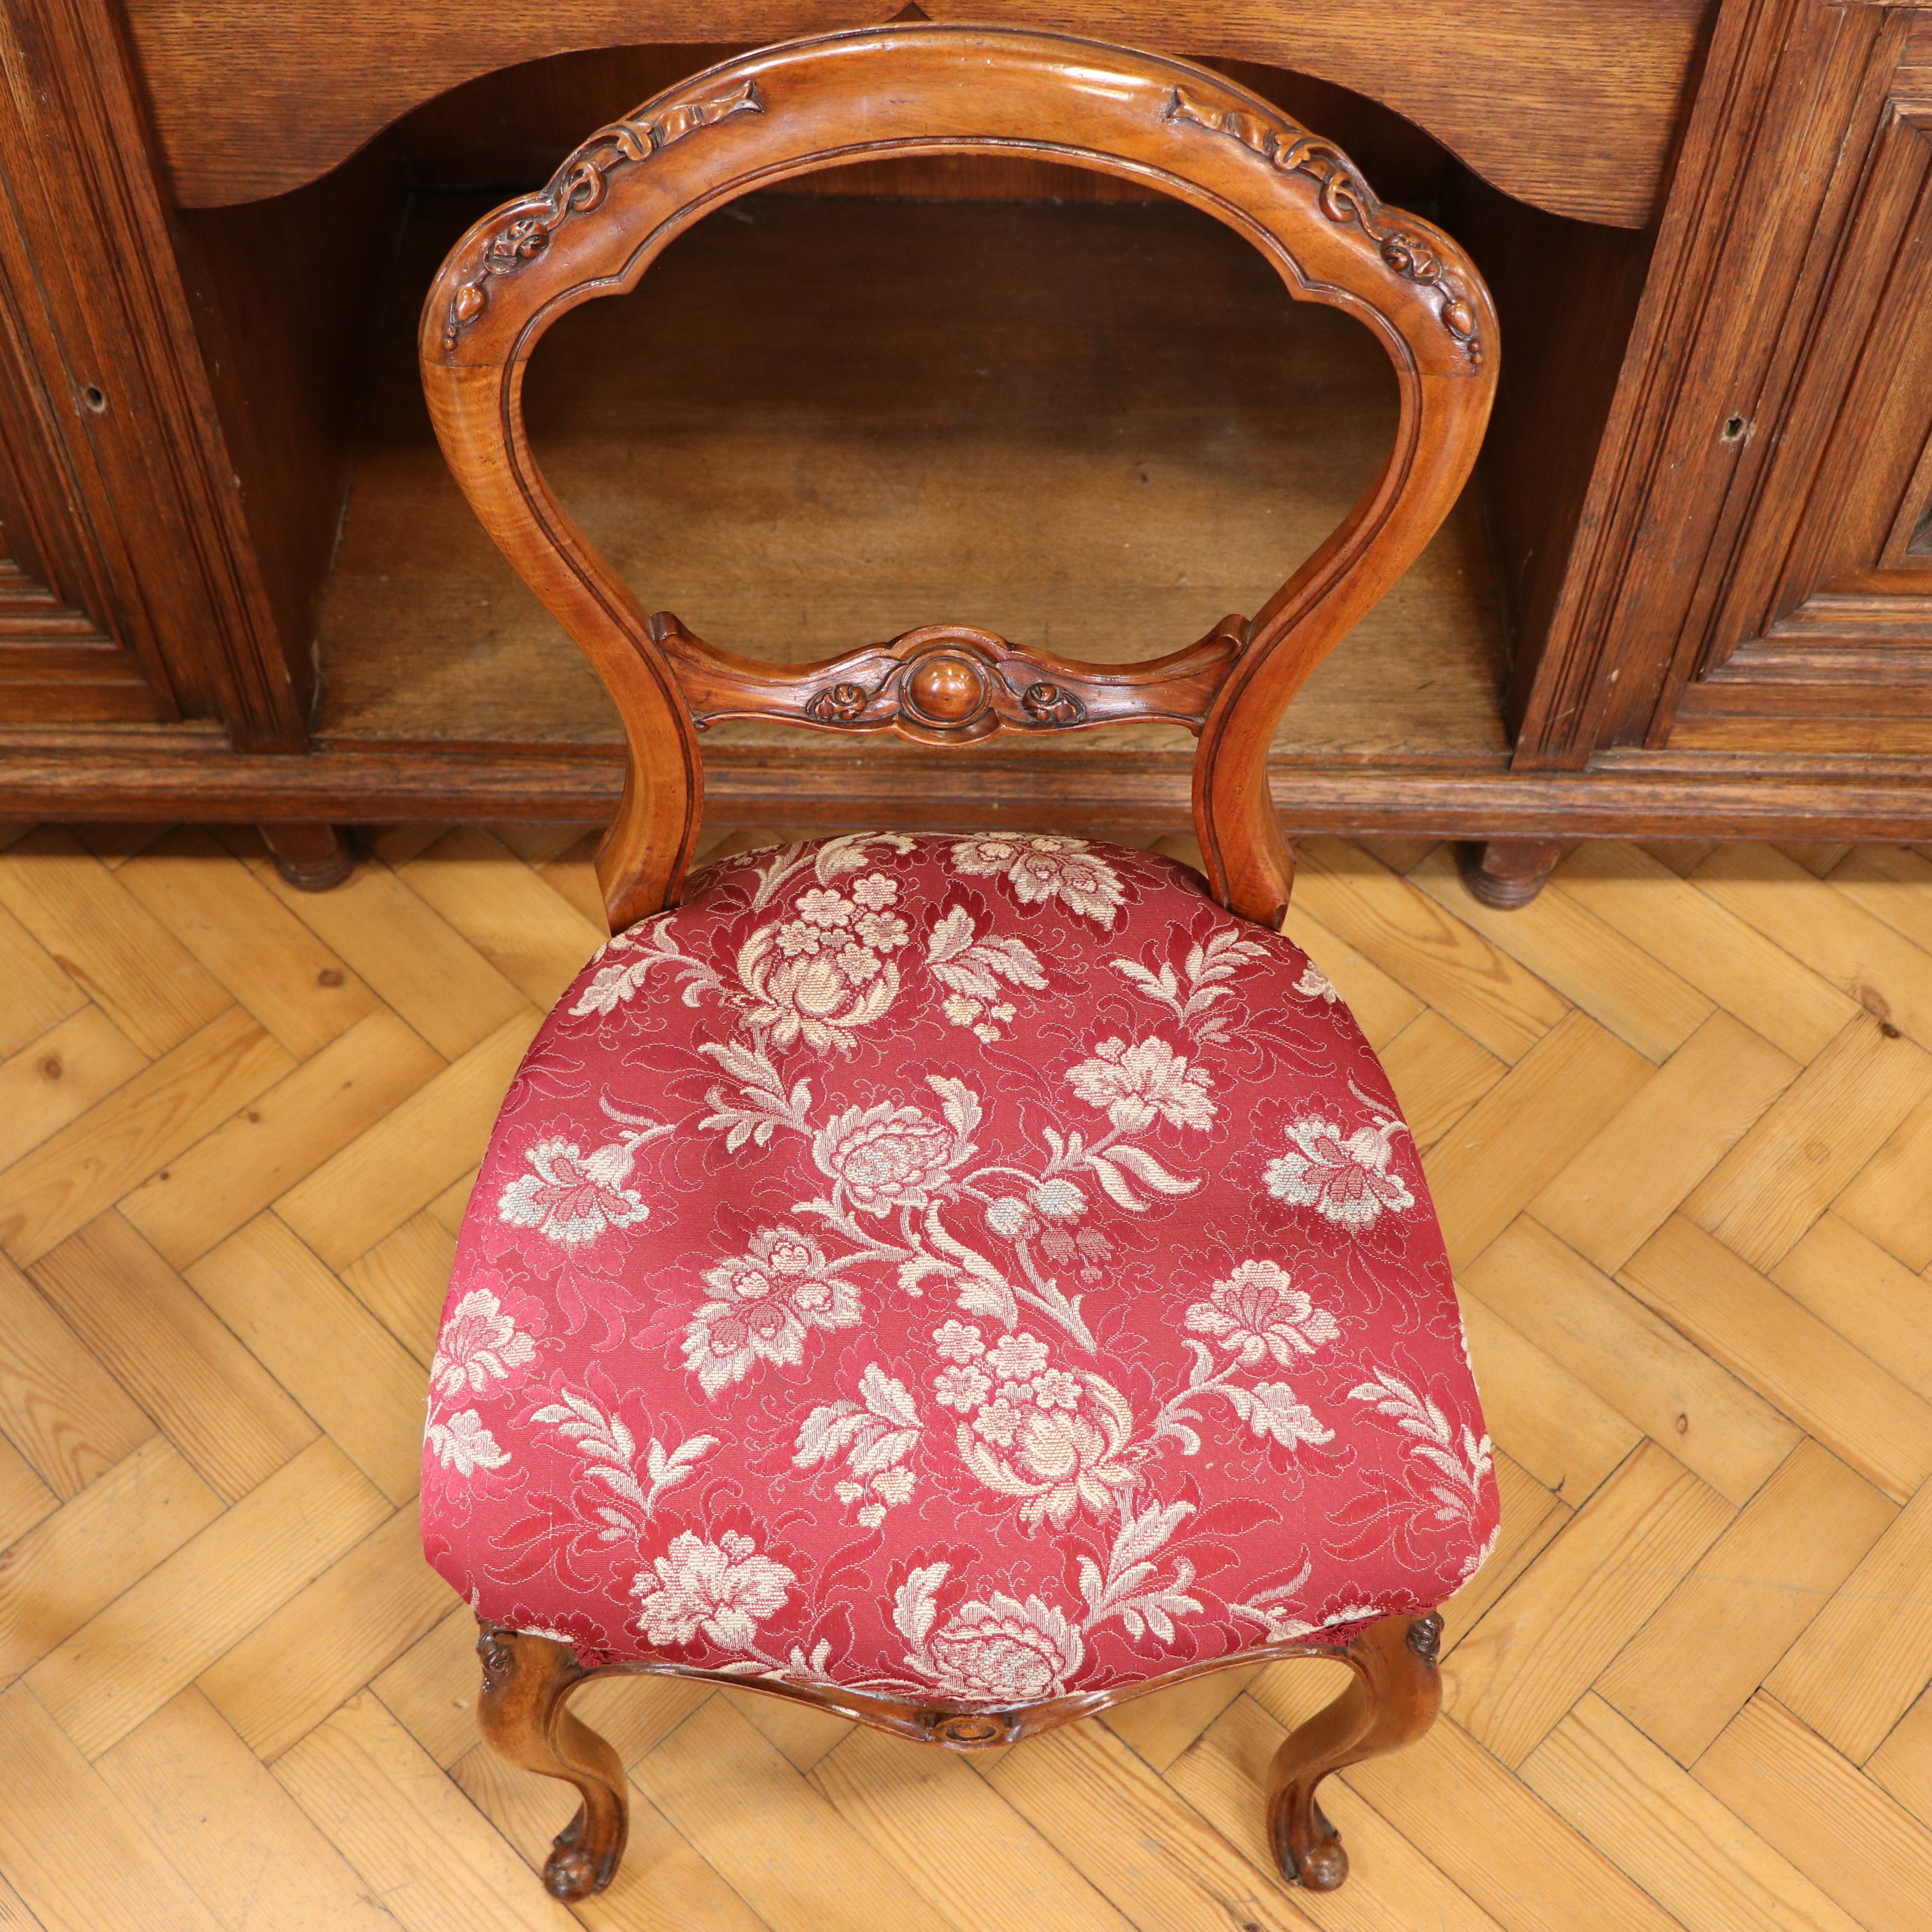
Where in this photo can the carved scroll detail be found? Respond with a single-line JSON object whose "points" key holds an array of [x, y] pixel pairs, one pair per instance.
{"points": [[1345, 198], [580, 185], [1425, 1636], [953, 684]]}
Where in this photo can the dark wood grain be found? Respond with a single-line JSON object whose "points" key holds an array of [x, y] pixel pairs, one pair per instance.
{"points": [[1392, 1701], [614, 206], [1566, 104]]}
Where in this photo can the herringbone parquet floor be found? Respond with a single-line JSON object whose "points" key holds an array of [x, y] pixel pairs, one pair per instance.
{"points": [[1678, 1116]]}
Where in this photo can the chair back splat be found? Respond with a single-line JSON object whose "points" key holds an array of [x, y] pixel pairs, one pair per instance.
{"points": [[631, 189]]}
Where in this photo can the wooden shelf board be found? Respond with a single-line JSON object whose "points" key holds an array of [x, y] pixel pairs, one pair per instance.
{"points": [[819, 422]]}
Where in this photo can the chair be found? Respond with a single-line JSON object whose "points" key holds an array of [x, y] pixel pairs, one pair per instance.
{"points": [[958, 1282]]}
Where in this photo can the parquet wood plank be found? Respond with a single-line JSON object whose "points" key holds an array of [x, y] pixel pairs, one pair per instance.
{"points": [[1482, 1826], [85, 1168], [637, 1713], [1625, 1184], [1640, 1364], [1656, 1821], [790, 1854], [801, 1736], [1441, 959], [1810, 1142], [1391, 1887], [416, 1150], [573, 878], [59, 1408], [1704, 943], [1531, 1517], [663, 1885], [1683, 855], [1542, 1645], [323, 1347], [430, 1689], [1527, 1129], [39, 995], [1856, 951], [55, 1078], [225, 1412], [1382, 1007], [1159, 1726], [1876, 1303], [1620, 985], [425, 1851], [404, 1280], [73, 1564], [284, 1135], [24, 1500], [1863, 1659], [1438, 1073], [150, 985], [1890, 882], [56, 1804], [414, 962], [1791, 1547], [14, 1916], [1890, 1199], [1785, 1782], [329, 1639], [242, 1842], [156, 1637], [1141, 1845], [961, 1847], [1903, 1764], [266, 959], [448, 1209], [538, 940], [1771, 1341], [114, 843], [1558, 1428]]}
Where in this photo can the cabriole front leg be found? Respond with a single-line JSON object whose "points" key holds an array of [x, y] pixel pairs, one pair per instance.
{"points": [[521, 1714], [1392, 1701]]}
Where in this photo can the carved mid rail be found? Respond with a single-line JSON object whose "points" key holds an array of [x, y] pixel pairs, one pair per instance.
{"points": [[953, 684]]}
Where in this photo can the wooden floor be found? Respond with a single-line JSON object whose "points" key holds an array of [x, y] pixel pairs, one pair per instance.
{"points": [[1678, 1119]]}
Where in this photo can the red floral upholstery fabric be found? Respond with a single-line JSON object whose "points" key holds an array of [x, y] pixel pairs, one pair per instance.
{"points": [[967, 1269]]}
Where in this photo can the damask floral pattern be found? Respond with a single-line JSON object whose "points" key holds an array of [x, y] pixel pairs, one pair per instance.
{"points": [[968, 1269]]}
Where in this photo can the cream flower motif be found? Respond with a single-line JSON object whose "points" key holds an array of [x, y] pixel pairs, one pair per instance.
{"points": [[1003, 1651], [1017, 1355], [796, 939], [1142, 1083], [998, 1423], [894, 1485], [885, 930], [875, 892], [570, 1197], [462, 1443], [885, 1156], [822, 907], [1060, 1461], [958, 1342], [479, 1345], [1056, 1389], [1347, 1181], [1314, 984], [1258, 1312], [1012, 1217], [960, 1388], [804, 986], [1041, 868], [765, 1302], [725, 1589], [1058, 1200]]}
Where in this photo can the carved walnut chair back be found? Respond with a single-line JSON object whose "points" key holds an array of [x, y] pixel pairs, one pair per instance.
{"points": [[608, 213], [634, 186]]}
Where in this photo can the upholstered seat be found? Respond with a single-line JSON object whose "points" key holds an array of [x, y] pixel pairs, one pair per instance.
{"points": [[969, 1268]]}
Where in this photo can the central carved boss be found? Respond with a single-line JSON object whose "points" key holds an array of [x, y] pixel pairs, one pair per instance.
{"points": [[945, 689]]}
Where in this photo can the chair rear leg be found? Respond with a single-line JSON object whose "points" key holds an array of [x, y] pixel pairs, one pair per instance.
{"points": [[1392, 1701], [521, 1714]]}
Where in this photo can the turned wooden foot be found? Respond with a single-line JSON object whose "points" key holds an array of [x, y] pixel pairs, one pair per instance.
{"points": [[1392, 1701], [1507, 873], [312, 857], [521, 1714]]}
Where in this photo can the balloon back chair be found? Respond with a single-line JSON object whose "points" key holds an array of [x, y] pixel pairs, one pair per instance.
{"points": [[958, 1282]]}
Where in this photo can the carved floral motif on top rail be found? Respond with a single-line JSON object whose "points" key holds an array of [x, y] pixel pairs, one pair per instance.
{"points": [[580, 185], [1345, 198]]}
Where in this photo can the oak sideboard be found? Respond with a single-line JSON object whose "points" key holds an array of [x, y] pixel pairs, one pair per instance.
{"points": [[1688, 594]]}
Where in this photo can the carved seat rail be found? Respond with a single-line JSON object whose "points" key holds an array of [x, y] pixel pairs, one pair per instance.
{"points": [[615, 205]]}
